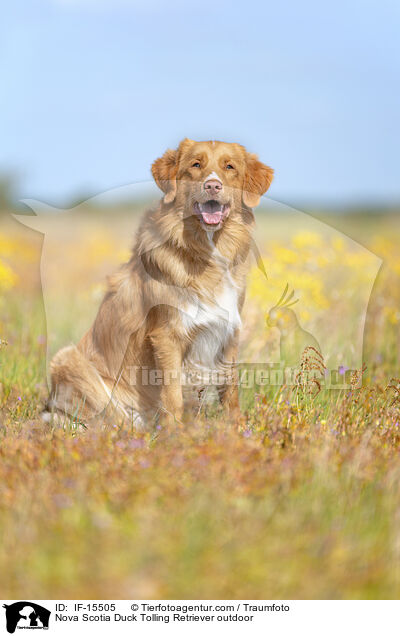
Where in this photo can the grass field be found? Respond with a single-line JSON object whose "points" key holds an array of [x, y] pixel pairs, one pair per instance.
{"points": [[299, 498]]}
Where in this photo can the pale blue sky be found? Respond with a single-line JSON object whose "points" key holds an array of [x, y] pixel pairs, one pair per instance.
{"points": [[92, 92]]}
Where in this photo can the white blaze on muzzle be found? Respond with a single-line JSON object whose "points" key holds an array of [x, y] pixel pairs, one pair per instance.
{"points": [[212, 175]]}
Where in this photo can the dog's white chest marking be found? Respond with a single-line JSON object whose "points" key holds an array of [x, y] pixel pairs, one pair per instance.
{"points": [[215, 322]]}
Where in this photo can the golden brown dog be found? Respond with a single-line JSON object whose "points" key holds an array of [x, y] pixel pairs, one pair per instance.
{"points": [[176, 304]]}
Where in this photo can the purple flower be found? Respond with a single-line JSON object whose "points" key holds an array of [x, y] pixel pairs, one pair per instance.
{"points": [[136, 443], [62, 501]]}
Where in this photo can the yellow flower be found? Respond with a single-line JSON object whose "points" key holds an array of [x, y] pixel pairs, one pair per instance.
{"points": [[307, 239], [338, 244], [7, 277]]}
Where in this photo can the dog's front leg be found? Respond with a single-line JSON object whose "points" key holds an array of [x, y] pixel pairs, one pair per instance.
{"points": [[228, 391], [168, 357]]}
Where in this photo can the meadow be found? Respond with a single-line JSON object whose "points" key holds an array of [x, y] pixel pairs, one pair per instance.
{"points": [[297, 498]]}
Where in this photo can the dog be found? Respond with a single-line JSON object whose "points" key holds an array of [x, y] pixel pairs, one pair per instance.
{"points": [[176, 305]]}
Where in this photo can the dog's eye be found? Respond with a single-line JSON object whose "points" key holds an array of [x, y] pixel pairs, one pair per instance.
{"points": [[229, 167], [196, 164]]}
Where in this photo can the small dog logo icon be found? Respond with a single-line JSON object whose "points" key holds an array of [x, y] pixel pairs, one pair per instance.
{"points": [[26, 615]]}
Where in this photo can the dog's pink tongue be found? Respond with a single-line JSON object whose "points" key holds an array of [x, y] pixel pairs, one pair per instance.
{"points": [[212, 218]]}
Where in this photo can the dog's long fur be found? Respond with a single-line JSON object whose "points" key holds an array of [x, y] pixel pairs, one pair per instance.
{"points": [[177, 302]]}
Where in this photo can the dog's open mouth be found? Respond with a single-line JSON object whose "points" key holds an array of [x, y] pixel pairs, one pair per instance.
{"points": [[212, 212]]}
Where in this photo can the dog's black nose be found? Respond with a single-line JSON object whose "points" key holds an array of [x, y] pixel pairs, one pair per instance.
{"points": [[213, 186]]}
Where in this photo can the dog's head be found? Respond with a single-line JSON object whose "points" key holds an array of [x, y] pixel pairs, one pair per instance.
{"points": [[211, 180]]}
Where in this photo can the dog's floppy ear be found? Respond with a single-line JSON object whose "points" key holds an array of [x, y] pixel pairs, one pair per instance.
{"points": [[164, 172], [257, 180]]}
